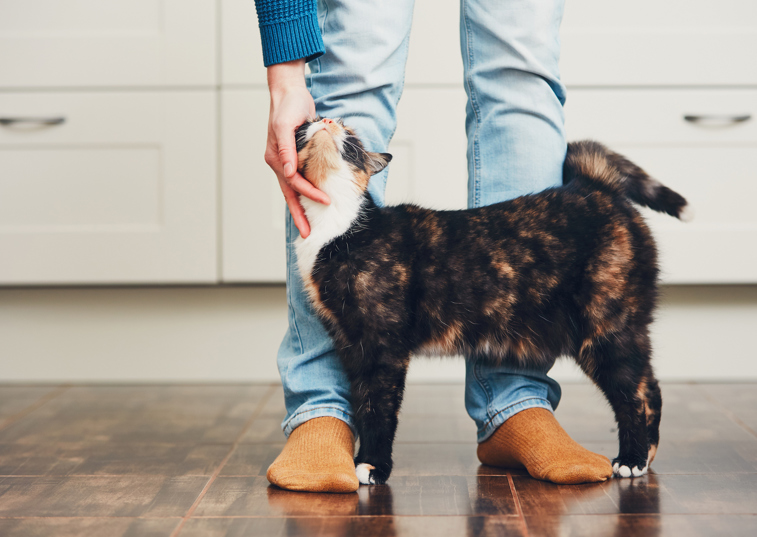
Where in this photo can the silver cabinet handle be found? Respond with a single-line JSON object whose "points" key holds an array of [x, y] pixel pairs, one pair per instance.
{"points": [[34, 120], [717, 119]]}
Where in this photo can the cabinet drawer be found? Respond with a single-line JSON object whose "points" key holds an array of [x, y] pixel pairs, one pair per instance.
{"points": [[712, 163], [649, 42], [91, 43], [121, 191]]}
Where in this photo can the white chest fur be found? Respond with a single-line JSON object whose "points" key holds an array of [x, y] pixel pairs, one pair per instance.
{"points": [[328, 221]]}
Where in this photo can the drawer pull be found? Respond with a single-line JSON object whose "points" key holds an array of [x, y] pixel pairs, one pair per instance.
{"points": [[718, 119], [32, 120]]}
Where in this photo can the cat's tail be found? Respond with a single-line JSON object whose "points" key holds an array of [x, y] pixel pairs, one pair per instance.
{"points": [[594, 166]]}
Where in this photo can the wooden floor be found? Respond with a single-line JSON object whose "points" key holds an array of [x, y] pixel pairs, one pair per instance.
{"points": [[191, 461]]}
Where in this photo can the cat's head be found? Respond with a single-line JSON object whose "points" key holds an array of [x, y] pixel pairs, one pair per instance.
{"points": [[327, 149]]}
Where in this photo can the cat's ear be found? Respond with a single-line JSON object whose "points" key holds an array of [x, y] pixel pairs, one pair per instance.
{"points": [[377, 161]]}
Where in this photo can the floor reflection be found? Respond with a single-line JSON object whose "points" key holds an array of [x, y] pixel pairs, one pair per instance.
{"points": [[491, 510], [309, 511]]}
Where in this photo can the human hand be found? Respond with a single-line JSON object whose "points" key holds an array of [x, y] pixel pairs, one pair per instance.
{"points": [[291, 106]]}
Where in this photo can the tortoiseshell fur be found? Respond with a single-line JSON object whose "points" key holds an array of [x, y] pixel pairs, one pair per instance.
{"points": [[571, 271]]}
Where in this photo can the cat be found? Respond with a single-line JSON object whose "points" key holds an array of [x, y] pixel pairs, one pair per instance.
{"points": [[571, 271]]}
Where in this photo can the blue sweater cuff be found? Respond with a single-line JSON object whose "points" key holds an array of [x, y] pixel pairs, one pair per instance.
{"points": [[291, 40]]}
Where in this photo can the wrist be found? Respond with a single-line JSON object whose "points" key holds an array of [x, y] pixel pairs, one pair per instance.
{"points": [[285, 76]]}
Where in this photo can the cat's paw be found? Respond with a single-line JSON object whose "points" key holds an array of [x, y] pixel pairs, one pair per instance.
{"points": [[627, 467], [368, 474]]}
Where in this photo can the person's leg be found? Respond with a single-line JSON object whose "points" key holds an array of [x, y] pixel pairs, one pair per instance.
{"points": [[358, 79], [516, 146]]}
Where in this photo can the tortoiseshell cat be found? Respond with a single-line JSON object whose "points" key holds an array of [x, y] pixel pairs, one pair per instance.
{"points": [[569, 271]]}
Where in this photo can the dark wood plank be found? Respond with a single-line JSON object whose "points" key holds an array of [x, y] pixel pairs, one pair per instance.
{"points": [[741, 399], [409, 460], [439, 459], [681, 457], [93, 458], [128, 496], [14, 399], [251, 459], [651, 494], [711, 493], [688, 415], [88, 527], [134, 414], [431, 526], [265, 429], [643, 525], [423, 495], [436, 429]]}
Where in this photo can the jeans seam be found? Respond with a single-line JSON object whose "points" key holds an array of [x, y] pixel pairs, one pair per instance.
{"points": [[508, 407], [292, 276], [484, 386], [474, 106]]}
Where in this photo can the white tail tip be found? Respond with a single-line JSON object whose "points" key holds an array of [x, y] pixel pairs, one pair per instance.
{"points": [[687, 214]]}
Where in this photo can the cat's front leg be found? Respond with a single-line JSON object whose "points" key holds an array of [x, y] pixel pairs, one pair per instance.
{"points": [[377, 389]]}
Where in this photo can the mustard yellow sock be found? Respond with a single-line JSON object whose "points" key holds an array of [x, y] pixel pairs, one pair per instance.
{"points": [[534, 440], [318, 457]]}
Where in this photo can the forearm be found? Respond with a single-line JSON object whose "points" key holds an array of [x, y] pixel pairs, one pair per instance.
{"points": [[285, 76]]}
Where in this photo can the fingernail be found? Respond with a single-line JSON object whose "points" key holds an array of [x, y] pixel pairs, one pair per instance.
{"points": [[288, 169]]}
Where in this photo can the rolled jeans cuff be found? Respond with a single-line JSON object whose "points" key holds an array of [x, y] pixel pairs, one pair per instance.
{"points": [[317, 412], [508, 412]]}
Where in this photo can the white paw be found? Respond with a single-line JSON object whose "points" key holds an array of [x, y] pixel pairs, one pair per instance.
{"points": [[363, 472], [637, 472], [624, 471]]}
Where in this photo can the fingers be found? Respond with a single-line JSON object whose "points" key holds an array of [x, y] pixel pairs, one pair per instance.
{"points": [[306, 188], [295, 209], [287, 152]]}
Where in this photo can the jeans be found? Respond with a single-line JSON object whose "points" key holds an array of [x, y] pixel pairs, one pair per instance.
{"points": [[516, 145]]}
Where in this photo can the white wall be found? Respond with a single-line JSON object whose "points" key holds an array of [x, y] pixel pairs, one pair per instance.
{"points": [[232, 334]]}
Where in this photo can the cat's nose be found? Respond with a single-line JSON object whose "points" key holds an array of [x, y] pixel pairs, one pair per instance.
{"points": [[327, 121]]}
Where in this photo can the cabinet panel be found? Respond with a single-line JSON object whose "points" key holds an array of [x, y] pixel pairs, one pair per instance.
{"points": [[252, 204], [648, 42], [91, 43], [121, 190], [712, 164]]}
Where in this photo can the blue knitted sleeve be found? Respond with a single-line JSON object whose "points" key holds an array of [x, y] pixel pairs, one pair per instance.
{"points": [[289, 30]]}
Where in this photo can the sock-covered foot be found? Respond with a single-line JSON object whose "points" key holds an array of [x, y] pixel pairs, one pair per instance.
{"points": [[534, 440], [318, 457]]}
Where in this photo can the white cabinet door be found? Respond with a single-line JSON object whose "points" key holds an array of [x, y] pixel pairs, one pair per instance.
{"points": [[654, 42], [252, 205], [713, 163], [251, 201], [241, 50], [95, 43], [121, 190]]}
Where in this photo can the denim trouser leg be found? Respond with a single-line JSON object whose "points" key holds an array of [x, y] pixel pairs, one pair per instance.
{"points": [[360, 80], [516, 145]]}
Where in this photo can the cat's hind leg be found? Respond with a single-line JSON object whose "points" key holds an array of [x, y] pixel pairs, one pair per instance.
{"points": [[621, 369]]}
